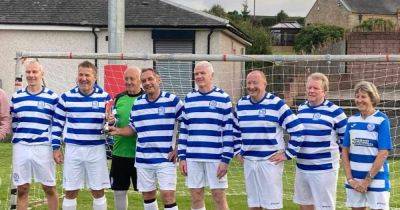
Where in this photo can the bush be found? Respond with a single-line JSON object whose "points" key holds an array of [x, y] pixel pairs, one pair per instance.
{"points": [[375, 24], [312, 36]]}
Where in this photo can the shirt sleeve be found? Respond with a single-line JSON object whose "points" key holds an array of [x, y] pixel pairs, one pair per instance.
{"points": [[384, 139], [5, 118], [59, 119]]}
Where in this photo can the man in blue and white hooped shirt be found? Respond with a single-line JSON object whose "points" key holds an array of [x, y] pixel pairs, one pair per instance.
{"points": [[262, 118], [80, 113], [32, 111], [205, 144], [318, 158], [153, 118]]}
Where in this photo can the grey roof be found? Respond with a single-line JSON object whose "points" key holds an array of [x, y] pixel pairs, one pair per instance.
{"points": [[287, 25], [138, 14], [388, 7]]}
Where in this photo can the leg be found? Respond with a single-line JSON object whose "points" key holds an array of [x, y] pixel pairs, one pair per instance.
{"points": [[22, 196], [306, 207], [168, 197], [99, 200], [69, 202], [255, 208], [52, 196], [359, 208], [220, 199], [150, 201], [121, 173], [120, 199], [197, 195]]}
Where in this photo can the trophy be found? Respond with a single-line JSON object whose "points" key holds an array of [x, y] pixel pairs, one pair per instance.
{"points": [[109, 112]]}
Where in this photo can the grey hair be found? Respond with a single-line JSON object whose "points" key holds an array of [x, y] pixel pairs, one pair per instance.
{"points": [[370, 89], [322, 77], [206, 64]]}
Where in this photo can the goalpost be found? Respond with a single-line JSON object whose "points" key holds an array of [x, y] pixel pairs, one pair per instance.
{"points": [[286, 75]]}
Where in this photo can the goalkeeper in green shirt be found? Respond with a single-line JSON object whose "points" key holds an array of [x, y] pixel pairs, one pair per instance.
{"points": [[123, 171]]}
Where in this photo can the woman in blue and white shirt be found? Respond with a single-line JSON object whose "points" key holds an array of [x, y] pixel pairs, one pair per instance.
{"points": [[366, 147]]}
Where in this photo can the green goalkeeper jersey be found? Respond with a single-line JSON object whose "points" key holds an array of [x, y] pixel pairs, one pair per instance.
{"points": [[124, 146]]}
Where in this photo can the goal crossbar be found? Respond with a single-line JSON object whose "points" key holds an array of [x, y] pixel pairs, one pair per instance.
{"points": [[211, 57]]}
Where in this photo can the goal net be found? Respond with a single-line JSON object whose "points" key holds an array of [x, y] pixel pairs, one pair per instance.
{"points": [[286, 77]]}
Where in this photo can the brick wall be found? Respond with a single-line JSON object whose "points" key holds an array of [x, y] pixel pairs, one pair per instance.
{"points": [[383, 74]]}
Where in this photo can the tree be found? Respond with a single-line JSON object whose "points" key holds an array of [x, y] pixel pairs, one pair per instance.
{"points": [[245, 10], [281, 16], [217, 10]]}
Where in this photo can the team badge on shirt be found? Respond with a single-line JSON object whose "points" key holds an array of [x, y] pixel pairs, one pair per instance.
{"points": [[95, 104], [262, 112], [213, 104], [16, 177], [316, 116], [370, 127], [40, 104], [161, 110]]}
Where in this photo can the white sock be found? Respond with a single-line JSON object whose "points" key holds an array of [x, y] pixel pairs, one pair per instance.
{"points": [[202, 208], [100, 203], [120, 199], [69, 204], [151, 206]]}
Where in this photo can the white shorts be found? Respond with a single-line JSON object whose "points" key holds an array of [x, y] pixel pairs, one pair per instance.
{"points": [[263, 181], [318, 189], [203, 174], [373, 200], [147, 178], [85, 166], [33, 161]]}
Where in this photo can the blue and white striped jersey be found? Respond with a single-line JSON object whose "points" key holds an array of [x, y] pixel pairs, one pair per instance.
{"points": [[32, 115], [364, 138], [80, 118], [262, 125], [154, 122], [324, 128], [206, 130]]}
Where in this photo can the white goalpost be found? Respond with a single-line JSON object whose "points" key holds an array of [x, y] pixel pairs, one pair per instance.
{"points": [[286, 75]]}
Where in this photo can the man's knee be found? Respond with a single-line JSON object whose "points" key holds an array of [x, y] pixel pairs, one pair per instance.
{"points": [[168, 196], [218, 195], [149, 195], [49, 190], [23, 190], [71, 194], [197, 194], [98, 193]]}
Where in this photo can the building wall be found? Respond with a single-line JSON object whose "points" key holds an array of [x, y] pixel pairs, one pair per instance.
{"points": [[328, 12], [60, 75], [383, 75]]}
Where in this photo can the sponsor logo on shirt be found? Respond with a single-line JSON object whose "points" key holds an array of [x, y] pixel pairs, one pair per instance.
{"points": [[362, 142]]}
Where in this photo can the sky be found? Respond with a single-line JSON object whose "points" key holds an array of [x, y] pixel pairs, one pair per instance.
{"points": [[263, 7]]}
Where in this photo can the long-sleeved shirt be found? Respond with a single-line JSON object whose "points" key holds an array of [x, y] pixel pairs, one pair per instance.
{"points": [[32, 116], [206, 130], [82, 116], [262, 124], [154, 122], [324, 130], [5, 118]]}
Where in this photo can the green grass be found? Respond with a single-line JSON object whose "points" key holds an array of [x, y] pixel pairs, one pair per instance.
{"points": [[236, 192]]}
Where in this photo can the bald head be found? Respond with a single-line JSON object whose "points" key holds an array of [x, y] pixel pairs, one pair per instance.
{"points": [[256, 83], [132, 80]]}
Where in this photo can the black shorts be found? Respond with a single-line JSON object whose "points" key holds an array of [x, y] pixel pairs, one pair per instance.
{"points": [[123, 173]]}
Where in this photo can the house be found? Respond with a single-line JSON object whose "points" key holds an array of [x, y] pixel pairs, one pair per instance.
{"points": [[284, 34], [151, 26], [350, 13]]}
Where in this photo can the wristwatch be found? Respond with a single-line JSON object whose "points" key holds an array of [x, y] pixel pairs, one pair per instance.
{"points": [[369, 176]]}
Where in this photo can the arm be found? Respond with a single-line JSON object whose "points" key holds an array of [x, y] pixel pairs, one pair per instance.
{"points": [[182, 145], [58, 123], [227, 134], [340, 121], [5, 118], [237, 136], [125, 131]]}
